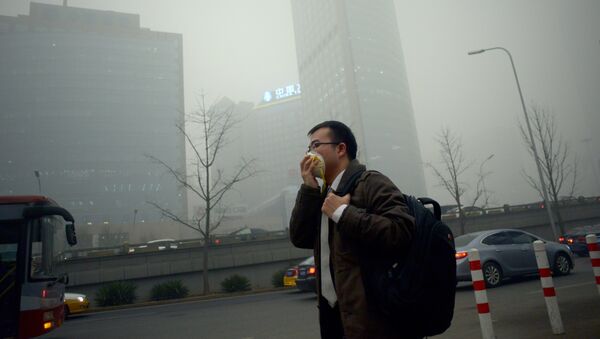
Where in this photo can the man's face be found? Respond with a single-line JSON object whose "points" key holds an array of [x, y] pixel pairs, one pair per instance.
{"points": [[322, 142]]}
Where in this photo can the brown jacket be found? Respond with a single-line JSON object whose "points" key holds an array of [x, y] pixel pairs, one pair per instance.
{"points": [[375, 224]]}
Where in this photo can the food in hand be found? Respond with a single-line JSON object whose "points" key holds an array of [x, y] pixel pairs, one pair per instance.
{"points": [[319, 169]]}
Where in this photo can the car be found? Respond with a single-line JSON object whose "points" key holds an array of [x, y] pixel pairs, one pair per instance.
{"points": [[307, 275], [151, 246], [75, 303], [468, 211], [575, 239], [290, 276], [163, 244], [508, 253], [247, 233]]}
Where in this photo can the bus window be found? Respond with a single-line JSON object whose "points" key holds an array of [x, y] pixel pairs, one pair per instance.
{"points": [[9, 300], [8, 256], [43, 234]]}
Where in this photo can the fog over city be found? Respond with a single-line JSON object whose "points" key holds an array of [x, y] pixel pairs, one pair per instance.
{"points": [[290, 168], [240, 49]]}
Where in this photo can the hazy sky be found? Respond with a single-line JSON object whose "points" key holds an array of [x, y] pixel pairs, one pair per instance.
{"points": [[240, 48]]}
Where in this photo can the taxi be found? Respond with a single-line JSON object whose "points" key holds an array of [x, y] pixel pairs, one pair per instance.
{"points": [[75, 303]]}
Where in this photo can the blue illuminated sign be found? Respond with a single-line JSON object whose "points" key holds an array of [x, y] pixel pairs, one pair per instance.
{"points": [[282, 93]]}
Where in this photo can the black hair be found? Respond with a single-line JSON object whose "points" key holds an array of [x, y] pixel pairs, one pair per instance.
{"points": [[340, 133]]}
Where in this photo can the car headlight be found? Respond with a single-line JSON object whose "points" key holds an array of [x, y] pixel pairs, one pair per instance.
{"points": [[80, 299]]}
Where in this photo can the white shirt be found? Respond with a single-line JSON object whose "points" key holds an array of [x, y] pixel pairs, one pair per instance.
{"points": [[327, 288], [337, 214]]}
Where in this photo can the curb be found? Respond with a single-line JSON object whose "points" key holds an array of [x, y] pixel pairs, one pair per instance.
{"points": [[212, 296]]}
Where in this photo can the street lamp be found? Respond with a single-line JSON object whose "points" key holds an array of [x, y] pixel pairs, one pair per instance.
{"points": [[135, 211], [37, 175], [533, 146]]}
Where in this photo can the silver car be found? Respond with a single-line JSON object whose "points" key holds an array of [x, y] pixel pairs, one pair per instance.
{"points": [[508, 253]]}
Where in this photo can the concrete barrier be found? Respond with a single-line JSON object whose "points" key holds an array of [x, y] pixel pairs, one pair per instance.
{"points": [[258, 261], [532, 220]]}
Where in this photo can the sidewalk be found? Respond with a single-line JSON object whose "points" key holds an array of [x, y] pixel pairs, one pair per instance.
{"points": [[193, 298]]}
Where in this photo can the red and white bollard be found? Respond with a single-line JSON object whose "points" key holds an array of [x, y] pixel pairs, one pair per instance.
{"points": [[483, 307], [548, 287], [594, 249]]}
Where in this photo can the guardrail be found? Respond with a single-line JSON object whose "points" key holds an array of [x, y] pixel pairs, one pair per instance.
{"points": [[132, 249], [521, 208]]}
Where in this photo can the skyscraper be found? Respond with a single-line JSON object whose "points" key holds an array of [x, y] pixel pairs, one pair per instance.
{"points": [[351, 68], [84, 96]]}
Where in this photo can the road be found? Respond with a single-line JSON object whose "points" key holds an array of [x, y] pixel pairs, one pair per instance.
{"points": [[518, 311]]}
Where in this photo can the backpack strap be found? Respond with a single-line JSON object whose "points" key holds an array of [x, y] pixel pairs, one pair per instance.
{"points": [[350, 184], [437, 210]]}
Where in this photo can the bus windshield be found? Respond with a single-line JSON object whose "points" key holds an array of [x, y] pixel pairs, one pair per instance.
{"points": [[47, 242]]}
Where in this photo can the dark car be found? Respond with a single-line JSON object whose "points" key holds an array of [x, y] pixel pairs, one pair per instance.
{"points": [[575, 239], [307, 275], [508, 253]]}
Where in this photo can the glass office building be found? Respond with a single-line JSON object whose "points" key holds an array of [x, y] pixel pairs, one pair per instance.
{"points": [[85, 95], [351, 68]]}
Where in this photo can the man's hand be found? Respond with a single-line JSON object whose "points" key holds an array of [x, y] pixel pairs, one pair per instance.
{"points": [[306, 171], [332, 202]]}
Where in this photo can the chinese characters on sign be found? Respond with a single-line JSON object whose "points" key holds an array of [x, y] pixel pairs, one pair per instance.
{"points": [[282, 93]]}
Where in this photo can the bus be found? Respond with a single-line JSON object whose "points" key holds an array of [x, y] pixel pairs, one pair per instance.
{"points": [[34, 230]]}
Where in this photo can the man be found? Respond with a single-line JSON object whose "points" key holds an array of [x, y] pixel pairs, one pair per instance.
{"points": [[349, 233]]}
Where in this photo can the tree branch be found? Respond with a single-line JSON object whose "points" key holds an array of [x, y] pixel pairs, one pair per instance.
{"points": [[236, 178], [178, 177], [167, 213]]}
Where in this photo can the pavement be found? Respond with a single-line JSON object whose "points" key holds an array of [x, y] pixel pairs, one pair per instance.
{"points": [[518, 308]]}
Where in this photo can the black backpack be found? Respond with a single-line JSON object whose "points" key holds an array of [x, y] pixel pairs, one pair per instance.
{"points": [[415, 290]]}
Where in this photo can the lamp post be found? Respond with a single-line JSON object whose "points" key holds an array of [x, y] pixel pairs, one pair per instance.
{"points": [[533, 146], [37, 175]]}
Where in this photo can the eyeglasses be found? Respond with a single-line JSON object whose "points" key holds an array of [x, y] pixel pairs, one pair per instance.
{"points": [[316, 145]]}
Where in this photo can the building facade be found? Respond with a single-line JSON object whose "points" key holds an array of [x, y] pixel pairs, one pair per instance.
{"points": [[273, 135], [85, 97], [351, 68]]}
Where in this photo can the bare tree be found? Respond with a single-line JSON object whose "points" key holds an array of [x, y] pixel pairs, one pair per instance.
{"points": [[214, 124], [559, 168], [453, 169], [481, 190]]}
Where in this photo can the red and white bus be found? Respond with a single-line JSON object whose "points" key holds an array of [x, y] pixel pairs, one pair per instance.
{"points": [[33, 231]]}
